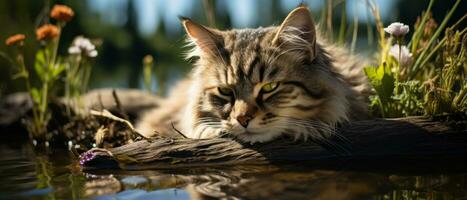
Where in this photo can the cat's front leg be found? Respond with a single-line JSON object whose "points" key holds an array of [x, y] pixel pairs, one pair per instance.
{"points": [[205, 132]]}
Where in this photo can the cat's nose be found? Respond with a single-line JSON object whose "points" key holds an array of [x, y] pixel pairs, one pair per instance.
{"points": [[244, 120]]}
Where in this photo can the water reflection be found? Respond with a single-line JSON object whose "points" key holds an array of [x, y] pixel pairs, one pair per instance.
{"points": [[291, 182], [25, 174], [30, 175]]}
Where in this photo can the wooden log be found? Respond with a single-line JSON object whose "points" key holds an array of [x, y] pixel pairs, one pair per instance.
{"points": [[404, 138]]}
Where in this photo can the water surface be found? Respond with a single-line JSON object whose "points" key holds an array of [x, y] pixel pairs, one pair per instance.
{"points": [[26, 174]]}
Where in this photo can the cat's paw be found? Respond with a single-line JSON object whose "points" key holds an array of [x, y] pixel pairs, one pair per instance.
{"points": [[204, 132]]}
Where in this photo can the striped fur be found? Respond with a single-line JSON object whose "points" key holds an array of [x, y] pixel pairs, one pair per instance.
{"points": [[319, 85]]}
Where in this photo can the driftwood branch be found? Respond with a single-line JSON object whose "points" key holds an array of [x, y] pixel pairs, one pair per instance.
{"points": [[405, 138]]}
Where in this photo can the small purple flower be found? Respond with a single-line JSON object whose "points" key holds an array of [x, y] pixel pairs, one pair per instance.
{"points": [[397, 29], [86, 157]]}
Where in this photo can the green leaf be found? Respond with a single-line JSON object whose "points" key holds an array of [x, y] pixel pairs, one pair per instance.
{"points": [[382, 80], [370, 72], [40, 64], [387, 82], [21, 74], [36, 97], [58, 68]]}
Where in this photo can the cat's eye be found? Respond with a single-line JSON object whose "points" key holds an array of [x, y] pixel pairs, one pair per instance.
{"points": [[225, 91], [269, 87]]}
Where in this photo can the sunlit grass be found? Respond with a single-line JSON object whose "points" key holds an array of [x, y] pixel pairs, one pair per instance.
{"points": [[422, 76], [431, 81]]}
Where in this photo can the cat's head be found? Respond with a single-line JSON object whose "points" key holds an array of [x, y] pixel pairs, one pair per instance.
{"points": [[256, 84]]}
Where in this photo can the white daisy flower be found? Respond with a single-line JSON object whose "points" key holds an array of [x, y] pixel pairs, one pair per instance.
{"points": [[404, 57], [397, 29], [82, 45]]}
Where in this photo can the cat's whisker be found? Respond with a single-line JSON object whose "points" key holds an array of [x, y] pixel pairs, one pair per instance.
{"points": [[292, 37], [313, 126], [332, 129], [320, 137], [339, 149], [274, 51], [207, 121], [284, 52], [222, 57]]}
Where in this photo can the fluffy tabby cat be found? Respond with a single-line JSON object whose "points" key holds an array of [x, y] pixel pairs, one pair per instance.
{"points": [[258, 84]]}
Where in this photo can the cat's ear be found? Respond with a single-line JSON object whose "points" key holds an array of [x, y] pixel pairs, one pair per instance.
{"points": [[299, 23], [207, 40]]}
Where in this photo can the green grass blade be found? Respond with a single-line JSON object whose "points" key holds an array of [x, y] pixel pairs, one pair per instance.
{"points": [[420, 58], [342, 27], [354, 31], [418, 32]]}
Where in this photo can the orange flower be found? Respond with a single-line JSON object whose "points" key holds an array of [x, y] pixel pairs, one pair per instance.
{"points": [[62, 13], [15, 39], [47, 31]]}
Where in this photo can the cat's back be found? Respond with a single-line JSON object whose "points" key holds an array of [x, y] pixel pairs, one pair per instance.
{"points": [[350, 68], [163, 119]]}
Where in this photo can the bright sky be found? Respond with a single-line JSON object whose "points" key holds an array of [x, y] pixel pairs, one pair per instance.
{"points": [[244, 13]]}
